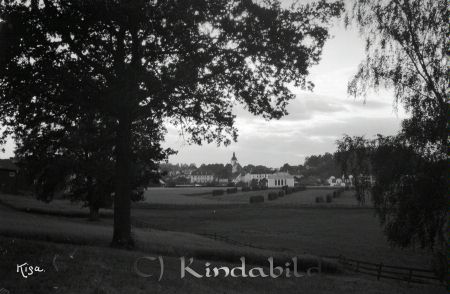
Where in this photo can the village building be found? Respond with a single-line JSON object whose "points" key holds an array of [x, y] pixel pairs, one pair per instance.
{"points": [[247, 178], [340, 182], [280, 179], [202, 178]]}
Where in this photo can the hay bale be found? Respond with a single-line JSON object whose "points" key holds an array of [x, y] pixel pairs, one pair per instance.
{"points": [[257, 199], [232, 190], [272, 196]]}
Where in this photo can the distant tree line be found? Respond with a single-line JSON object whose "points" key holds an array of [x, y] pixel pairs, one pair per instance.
{"points": [[315, 170]]}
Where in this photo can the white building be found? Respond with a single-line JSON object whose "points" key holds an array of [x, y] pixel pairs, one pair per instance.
{"points": [[202, 178], [280, 179], [340, 182], [248, 177]]}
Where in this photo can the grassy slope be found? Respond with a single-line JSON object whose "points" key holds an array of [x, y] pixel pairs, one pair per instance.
{"points": [[105, 270], [354, 233], [78, 231], [57, 206]]}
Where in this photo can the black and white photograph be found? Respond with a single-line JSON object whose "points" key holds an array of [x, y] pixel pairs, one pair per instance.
{"points": [[224, 146]]}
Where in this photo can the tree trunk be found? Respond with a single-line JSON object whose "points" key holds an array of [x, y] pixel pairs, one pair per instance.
{"points": [[93, 207], [93, 213], [122, 200]]}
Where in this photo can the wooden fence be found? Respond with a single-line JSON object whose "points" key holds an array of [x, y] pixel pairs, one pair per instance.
{"points": [[380, 270]]}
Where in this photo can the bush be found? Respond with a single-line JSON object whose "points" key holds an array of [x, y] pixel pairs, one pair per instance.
{"points": [[289, 190], [232, 190], [281, 193], [257, 199], [255, 188], [217, 192], [272, 196], [320, 199], [246, 189], [335, 194], [329, 198]]}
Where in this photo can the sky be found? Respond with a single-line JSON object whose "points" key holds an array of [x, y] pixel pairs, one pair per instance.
{"points": [[315, 121]]}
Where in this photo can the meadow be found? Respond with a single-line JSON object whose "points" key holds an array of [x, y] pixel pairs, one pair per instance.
{"points": [[203, 196], [173, 222], [98, 270]]}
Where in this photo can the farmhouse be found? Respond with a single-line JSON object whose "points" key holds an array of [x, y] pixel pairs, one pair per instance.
{"points": [[8, 176], [280, 179]]}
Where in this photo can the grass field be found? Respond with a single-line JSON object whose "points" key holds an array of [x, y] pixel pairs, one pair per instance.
{"points": [[89, 270], [290, 225], [281, 225], [203, 196], [351, 232]]}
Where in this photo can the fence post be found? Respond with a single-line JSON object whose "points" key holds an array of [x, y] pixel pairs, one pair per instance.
{"points": [[379, 271]]}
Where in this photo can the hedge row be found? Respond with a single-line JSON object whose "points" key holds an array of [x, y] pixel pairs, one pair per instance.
{"points": [[289, 190]]}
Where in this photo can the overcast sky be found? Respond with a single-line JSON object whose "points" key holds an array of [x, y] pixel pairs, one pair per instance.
{"points": [[315, 121]]}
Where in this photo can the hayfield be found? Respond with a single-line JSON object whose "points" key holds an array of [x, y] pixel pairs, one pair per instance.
{"points": [[351, 232], [204, 196], [293, 224]]}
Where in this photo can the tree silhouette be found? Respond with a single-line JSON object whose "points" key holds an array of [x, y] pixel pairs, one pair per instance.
{"points": [[406, 51], [184, 62]]}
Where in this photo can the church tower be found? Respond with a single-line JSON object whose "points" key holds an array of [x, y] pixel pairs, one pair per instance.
{"points": [[234, 163]]}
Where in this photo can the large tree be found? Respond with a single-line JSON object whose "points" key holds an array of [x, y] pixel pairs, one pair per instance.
{"points": [[406, 46], [406, 51], [77, 158], [184, 62]]}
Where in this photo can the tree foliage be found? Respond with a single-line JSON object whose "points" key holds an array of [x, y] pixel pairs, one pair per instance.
{"points": [[409, 192], [406, 51], [143, 63], [353, 155]]}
